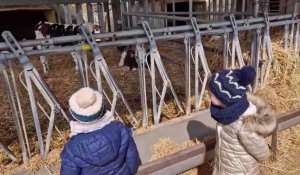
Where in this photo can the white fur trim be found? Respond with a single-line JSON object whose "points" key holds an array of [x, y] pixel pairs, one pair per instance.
{"points": [[234, 83], [251, 110], [224, 91], [79, 127], [91, 101]]}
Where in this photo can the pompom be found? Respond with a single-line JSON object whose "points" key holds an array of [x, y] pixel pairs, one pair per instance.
{"points": [[247, 75]]}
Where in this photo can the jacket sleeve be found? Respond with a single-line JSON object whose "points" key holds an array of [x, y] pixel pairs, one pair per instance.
{"points": [[255, 145], [132, 156], [68, 167]]}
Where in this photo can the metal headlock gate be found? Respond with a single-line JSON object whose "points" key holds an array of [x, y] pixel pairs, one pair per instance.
{"points": [[87, 41]]}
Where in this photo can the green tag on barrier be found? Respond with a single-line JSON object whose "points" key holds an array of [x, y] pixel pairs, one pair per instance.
{"points": [[85, 47]]}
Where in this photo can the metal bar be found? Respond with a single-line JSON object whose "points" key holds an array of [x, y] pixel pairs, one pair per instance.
{"points": [[50, 131], [46, 2], [227, 9], [143, 40], [101, 17], [214, 4], [79, 16], [187, 43], [67, 13], [220, 13], [233, 5], [256, 8], [128, 9], [173, 10], [77, 38], [296, 39], [190, 8], [225, 51], [176, 18], [90, 12], [286, 36], [243, 7], [111, 17], [8, 152], [142, 80], [79, 56], [12, 104], [19, 107]]}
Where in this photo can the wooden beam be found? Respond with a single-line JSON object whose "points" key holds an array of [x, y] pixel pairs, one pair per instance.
{"points": [[45, 2]]}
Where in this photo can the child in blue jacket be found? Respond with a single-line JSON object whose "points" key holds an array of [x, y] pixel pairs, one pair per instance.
{"points": [[98, 145]]}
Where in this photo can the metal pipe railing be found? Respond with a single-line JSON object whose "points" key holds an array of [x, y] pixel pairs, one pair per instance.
{"points": [[137, 32], [75, 48]]}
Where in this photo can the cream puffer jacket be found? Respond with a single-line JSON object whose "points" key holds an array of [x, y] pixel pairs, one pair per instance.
{"points": [[241, 144]]}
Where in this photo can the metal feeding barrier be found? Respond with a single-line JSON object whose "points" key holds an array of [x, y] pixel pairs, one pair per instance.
{"points": [[191, 35], [33, 77]]}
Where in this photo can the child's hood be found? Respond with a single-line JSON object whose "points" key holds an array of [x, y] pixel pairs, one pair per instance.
{"points": [[98, 148], [264, 121]]}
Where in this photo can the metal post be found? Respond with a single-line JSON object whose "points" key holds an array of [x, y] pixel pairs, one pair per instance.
{"points": [[173, 10], [90, 12], [122, 10], [199, 53], [141, 57], [67, 13], [129, 9], [111, 16], [190, 8], [296, 39], [286, 36], [101, 17], [243, 7], [256, 8], [19, 107], [8, 152], [78, 57], [79, 17], [12, 104], [187, 43], [225, 51], [233, 5]]}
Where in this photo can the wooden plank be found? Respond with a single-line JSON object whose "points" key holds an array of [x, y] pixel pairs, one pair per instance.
{"points": [[180, 156]]}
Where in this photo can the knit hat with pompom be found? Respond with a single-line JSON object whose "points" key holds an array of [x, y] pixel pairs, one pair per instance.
{"points": [[230, 87], [86, 105]]}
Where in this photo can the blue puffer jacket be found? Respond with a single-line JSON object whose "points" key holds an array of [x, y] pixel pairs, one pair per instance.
{"points": [[107, 151]]}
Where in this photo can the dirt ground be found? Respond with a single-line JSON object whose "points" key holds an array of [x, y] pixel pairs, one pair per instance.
{"points": [[282, 92]]}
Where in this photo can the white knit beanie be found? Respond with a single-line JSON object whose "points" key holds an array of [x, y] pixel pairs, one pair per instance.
{"points": [[86, 105]]}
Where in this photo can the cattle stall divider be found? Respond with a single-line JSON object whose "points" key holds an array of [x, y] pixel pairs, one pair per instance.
{"points": [[101, 66], [33, 77], [145, 35]]}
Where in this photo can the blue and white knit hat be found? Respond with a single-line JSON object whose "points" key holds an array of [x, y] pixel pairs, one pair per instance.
{"points": [[230, 86], [86, 105]]}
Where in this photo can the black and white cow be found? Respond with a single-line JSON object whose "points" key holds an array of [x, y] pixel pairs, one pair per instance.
{"points": [[48, 30], [129, 59]]}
